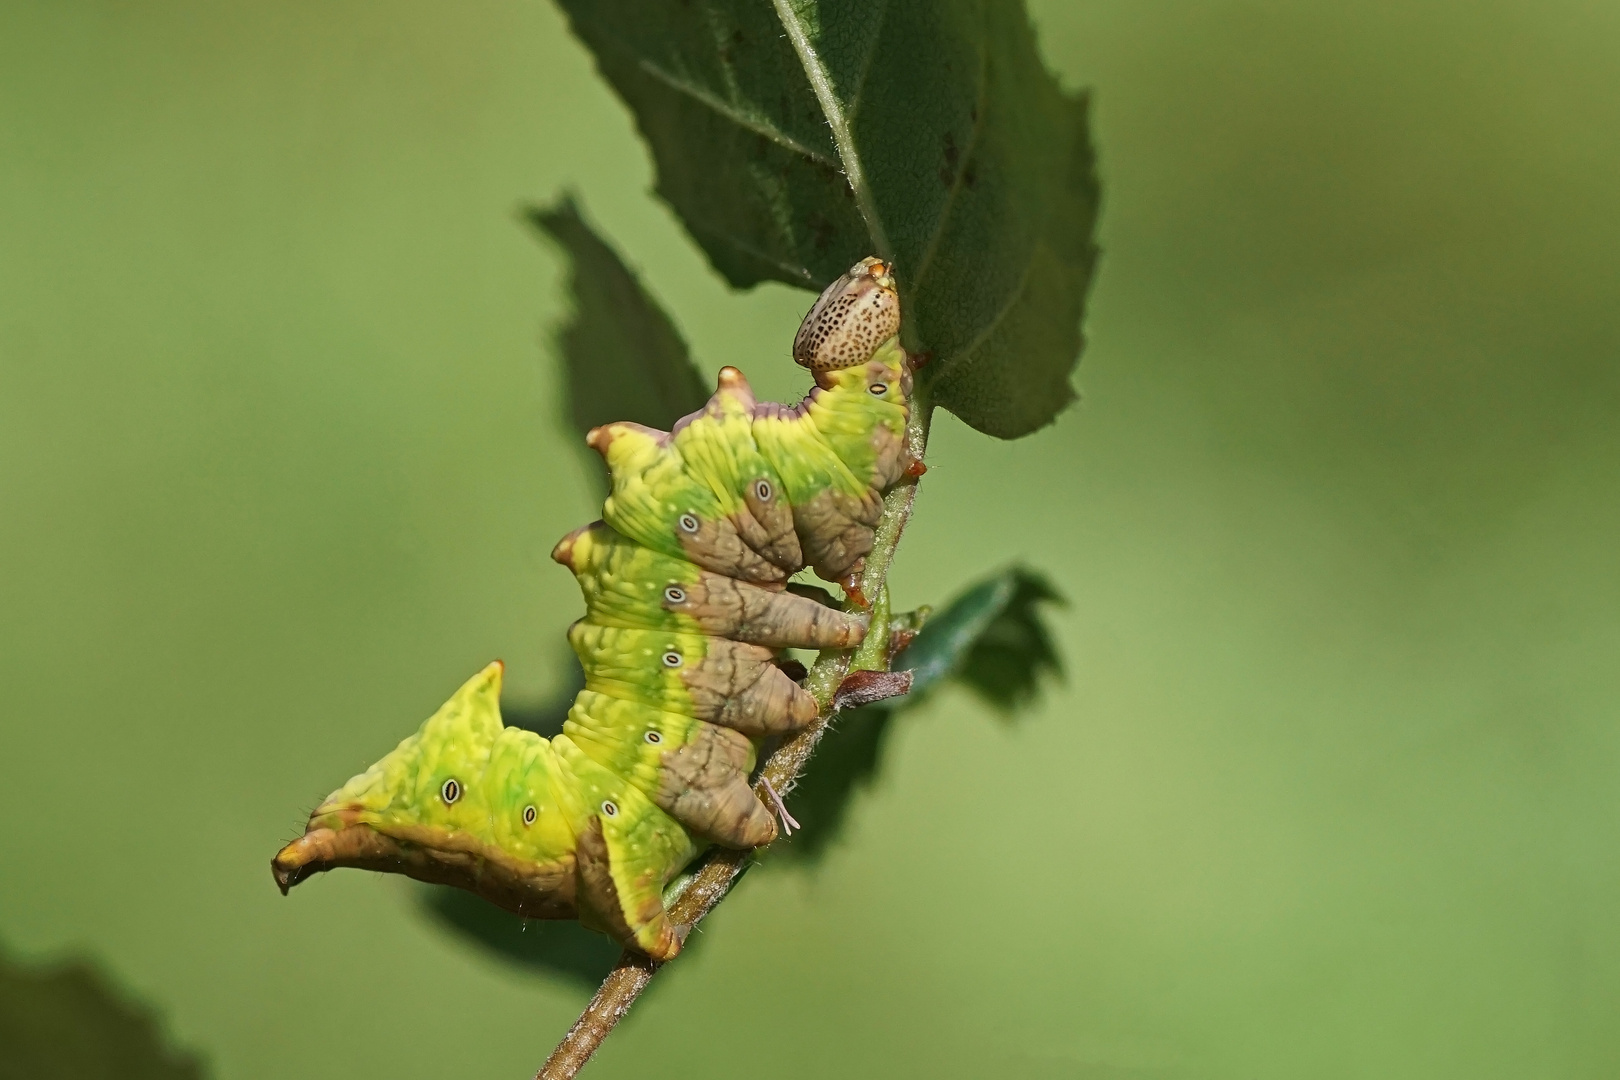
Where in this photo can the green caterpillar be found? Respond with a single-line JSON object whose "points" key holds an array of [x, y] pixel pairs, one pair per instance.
{"points": [[685, 585]]}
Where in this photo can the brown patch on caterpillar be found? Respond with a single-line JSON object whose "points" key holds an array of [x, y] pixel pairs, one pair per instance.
{"points": [[850, 319], [600, 438], [731, 386], [564, 551], [767, 527], [733, 381], [704, 786], [742, 612], [437, 856], [739, 686], [837, 530], [600, 907], [717, 546]]}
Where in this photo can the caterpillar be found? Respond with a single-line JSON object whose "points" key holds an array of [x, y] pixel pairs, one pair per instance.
{"points": [[687, 599]]}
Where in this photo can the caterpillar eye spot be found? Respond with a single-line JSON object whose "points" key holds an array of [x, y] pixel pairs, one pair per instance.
{"points": [[450, 791], [763, 490], [688, 523], [878, 389], [610, 808], [675, 594], [654, 737], [529, 815], [672, 659]]}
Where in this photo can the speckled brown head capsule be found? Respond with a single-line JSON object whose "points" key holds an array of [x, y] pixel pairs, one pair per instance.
{"points": [[854, 315]]}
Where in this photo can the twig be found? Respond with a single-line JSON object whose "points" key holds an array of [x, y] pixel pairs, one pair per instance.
{"points": [[714, 879]]}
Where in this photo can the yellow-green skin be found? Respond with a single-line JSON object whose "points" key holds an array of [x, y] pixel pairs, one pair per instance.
{"points": [[686, 605]]}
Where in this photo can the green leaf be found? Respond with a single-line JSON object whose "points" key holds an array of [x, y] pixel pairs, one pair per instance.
{"points": [[65, 1022], [622, 356], [796, 136], [991, 638]]}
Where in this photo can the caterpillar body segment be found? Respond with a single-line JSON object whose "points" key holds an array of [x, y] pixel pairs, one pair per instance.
{"points": [[686, 597]]}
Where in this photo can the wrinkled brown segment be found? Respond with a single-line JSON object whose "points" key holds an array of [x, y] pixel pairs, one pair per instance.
{"points": [[851, 317], [740, 687], [599, 906], [838, 530], [732, 609], [719, 546], [767, 527], [704, 786], [436, 856]]}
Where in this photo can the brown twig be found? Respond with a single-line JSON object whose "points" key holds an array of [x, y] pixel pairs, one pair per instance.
{"points": [[706, 888]]}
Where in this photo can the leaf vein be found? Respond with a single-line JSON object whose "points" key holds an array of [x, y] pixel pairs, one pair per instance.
{"points": [[1013, 297], [801, 272], [736, 116], [979, 113], [859, 87]]}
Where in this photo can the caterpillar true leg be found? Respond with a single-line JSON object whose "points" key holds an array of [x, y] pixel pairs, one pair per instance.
{"points": [[788, 822]]}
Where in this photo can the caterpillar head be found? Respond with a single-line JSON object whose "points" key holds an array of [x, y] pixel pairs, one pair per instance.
{"points": [[852, 317]]}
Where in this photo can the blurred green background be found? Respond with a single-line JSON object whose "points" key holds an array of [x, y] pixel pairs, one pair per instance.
{"points": [[1330, 789]]}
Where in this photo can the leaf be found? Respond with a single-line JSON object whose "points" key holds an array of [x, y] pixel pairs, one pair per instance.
{"points": [[65, 1022], [796, 136], [622, 356], [560, 948], [991, 638]]}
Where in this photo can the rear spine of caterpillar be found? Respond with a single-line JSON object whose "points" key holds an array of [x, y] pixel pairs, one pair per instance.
{"points": [[685, 585]]}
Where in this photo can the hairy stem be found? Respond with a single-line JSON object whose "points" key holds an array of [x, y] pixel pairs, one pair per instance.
{"points": [[700, 892]]}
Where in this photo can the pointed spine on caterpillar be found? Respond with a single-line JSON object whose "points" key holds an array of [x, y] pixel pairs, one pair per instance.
{"points": [[685, 587]]}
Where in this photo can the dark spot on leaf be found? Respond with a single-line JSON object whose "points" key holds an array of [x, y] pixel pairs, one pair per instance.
{"points": [[945, 175], [970, 175], [951, 153], [737, 36], [821, 231]]}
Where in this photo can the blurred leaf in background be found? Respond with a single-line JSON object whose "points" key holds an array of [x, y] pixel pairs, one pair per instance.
{"points": [[66, 1022], [991, 638], [556, 947], [796, 138], [622, 356]]}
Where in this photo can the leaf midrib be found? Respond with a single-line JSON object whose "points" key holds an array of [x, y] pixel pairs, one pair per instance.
{"points": [[833, 109]]}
